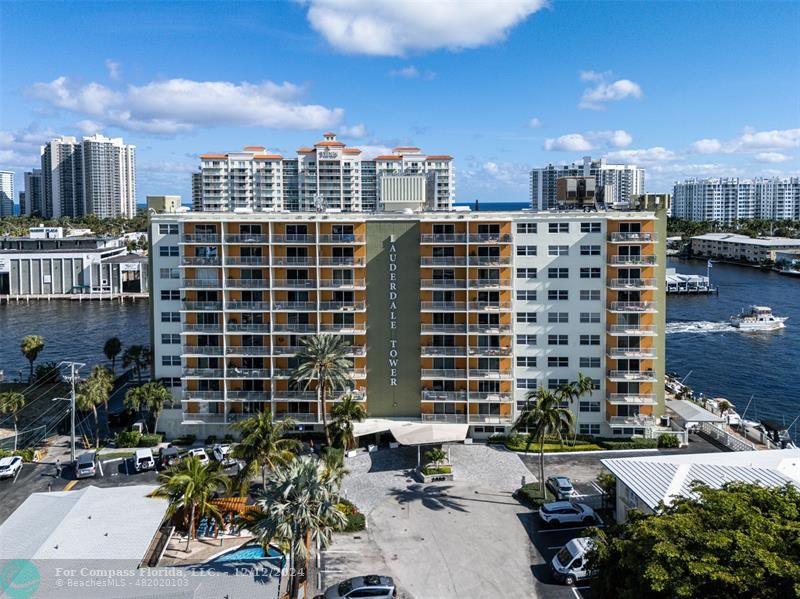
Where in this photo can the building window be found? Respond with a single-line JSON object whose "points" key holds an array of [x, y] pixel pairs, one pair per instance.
{"points": [[558, 362], [169, 273], [590, 339], [595, 384], [168, 229], [590, 362], [526, 383], [557, 317], [590, 429], [590, 250], [526, 228], [526, 295], [170, 317], [589, 406], [590, 317], [590, 273], [558, 340], [526, 361], [526, 339], [557, 295], [526, 273], [168, 250], [170, 360], [170, 294], [558, 227], [526, 250], [558, 250], [590, 295], [590, 227], [170, 338], [526, 317], [556, 384], [558, 273], [171, 381]]}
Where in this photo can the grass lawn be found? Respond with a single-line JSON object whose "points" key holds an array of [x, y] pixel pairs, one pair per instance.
{"points": [[519, 445], [116, 454], [429, 470], [533, 496]]}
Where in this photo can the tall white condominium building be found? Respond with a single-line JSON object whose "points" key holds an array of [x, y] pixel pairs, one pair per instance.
{"points": [[619, 181], [6, 193], [328, 175], [724, 200], [96, 175], [31, 201]]}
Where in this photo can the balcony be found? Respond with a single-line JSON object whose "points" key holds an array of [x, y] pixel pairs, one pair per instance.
{"points": [[343, 284], [294, 306], [443, 261], [200, 238], [490, 329], [191, 327], [279, 395], [455, 329], [633, 307], [304, 417], [632, 237], [633, 330], [294, 283], [633, 353], [201, 283], [647, 399], [489, 238], [247, 283], [443, 306], [203, 373], [235, 372], [202, 418], [201, 350], [246, 238], [356, 328], [627, 284], [358, 351], [478, 396], [201, 306], [438, 350], [293, 261], [294, 327], [285, 350], [248, 350], [490, 419], [633, 260], [443, 283], [249, 396], [342, 306], [341, 238], [443, 373], [449, 418], [632, 421], [490, 306], [489, 260], [241, 306], [641, 376], [443, 238], [247, 261], [341, 261], [489, 283], [302, 238], [490, 374], [189, 395], [485, 350], [444, 396], [247, 327], [200, 261]]}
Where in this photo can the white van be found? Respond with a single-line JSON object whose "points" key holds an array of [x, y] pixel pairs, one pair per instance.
{"points": [[143, 460], [569, 564], [86, 465]]}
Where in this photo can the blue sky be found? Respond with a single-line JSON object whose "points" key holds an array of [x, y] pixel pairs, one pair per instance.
{"points": [[681, 88]]}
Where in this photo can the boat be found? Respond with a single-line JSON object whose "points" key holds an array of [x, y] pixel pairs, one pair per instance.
{"points": [[772, 433], [758, 318]]}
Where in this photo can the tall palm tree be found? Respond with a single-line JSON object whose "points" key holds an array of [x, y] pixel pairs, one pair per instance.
{"points": [[11, 402], [87, 398], [135, 400], [105, 378], [573, 391], [264, 447], [138, 358], [111, 349], [543, 417], [323, 363], [298, 503], [31, 347], [190, 486], [345, 413], [152, 396]]}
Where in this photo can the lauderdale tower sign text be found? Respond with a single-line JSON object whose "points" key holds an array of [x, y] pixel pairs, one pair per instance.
{"points": [[393, 355]]}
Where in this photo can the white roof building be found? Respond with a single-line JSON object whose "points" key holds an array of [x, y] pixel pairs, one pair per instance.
{"points": [[644, 482]]}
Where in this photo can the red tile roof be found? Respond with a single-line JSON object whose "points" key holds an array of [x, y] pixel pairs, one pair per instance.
{"points": [[442, 157], [406, 148], [351, 151], [212, 156], [268, 157], [305, 150], [254, 148], [388, 157], [329, 144]]}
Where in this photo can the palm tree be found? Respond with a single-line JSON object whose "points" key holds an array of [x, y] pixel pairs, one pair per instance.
{"points": [[345, 413], [106, 378], [724, 406], [152, 396], [264, 446], [31, 347], [436, 456], [322, 362], [135, 400], [543, 417], [11, 402], [573, 391], [335, 471], [190, 486], [111, 349], [87, 398], [138, 358], [298, 504]]}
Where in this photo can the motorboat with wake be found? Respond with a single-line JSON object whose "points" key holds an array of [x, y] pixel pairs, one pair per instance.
{"points": [[758, 318]]}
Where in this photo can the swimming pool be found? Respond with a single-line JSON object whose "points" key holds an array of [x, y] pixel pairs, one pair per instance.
{"points": [[250, 553]]}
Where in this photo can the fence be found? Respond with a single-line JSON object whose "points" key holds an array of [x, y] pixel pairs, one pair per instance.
{"points": [[733, 442]]}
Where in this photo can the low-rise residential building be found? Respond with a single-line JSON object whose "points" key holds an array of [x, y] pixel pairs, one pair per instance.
{"points": [[731, 246]]}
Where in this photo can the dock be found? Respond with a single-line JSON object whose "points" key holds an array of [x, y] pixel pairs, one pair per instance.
{"points": [[75, 297], [682, 284]]}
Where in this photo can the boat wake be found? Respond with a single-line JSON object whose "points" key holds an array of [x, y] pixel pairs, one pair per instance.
{"points": [[700, 326]]}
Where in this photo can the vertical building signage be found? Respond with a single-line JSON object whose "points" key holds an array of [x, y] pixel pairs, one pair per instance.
{"points": [[393, 299]]}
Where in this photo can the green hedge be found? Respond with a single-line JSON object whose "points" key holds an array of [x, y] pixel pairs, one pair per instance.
{"points": [[429, 470], [668, 442], [356, 521], [128, 439], [517, 443], [532, 496], [628, 443], [185, 440], [26, 454], [149, 440]]}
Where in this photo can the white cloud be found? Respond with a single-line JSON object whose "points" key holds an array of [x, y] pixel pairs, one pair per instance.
{"points": [[605, 90], [397, 28], [535, 123], [619, 138], [359, 130], [706, 146], [572, 142], [370, 151], [20, 149], [773, 157], [751, 141], [89, 127], [654, 155], [412, 72], [114, 69], [179, 105]]}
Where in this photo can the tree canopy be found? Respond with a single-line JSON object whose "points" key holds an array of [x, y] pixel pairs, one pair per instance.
{"points": [[742, 540]]}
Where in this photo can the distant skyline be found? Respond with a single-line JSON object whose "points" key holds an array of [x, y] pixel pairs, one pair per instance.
{"points": [[682, 89]]}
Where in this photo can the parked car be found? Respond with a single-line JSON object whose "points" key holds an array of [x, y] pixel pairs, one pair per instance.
{"points": [[86, 465], [564, 512], [168, 456], [223, 454], [198, 453], [371, 587], [10, 466], [561, 487], [143, 460], [569, 564]]}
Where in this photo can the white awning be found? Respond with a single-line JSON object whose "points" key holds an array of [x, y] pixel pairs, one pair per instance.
{"points": [[413, 433], [689, 411], [370, 426]]}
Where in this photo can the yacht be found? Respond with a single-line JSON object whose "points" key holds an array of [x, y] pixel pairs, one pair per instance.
{"points": [[758, 318]]}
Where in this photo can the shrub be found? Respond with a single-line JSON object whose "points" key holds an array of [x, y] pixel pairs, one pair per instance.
{"points": [[211, 439], [551, 446], [668, 442], [228, 438], [531, 495], [356, 521], [149, 440], [498, 438], [185, 440], [614, 444], [128, 439], [429, 470], [26, 454], [47, 372]]}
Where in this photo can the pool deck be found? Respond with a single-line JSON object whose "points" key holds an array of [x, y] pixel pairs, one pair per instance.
{"points": [[199, 551]]}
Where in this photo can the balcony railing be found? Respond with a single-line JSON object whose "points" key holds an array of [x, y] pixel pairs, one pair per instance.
{"points": [[236, 372], [285, 350], [458, 329], [489, 238], [294, 283], [202, 350], [485, 350], [201, 306], [246, 238], [241, 305], [189, 395], [451, 418], [632, 375], [444, 396], [293, 239], [200, 261], [632, 329], [492, 329], [342, 283], [490, 397], [203, 373], [200, 238], [191, 327], [633, 307], [247, 283], [443, 261], [443, 238], [490, 306], [355, 328], [438, 350], [202, 418], [632, 421], [293, 261], [443, 283], [343, 306], [290, 327], [278, 395], [489, 260], [341, 238], [489, 419], [249, 395], [294, 306], [298, 417], [490, 373], [443, 373], [248, 350], [632, 237], [202, 283], [489, 283], [247, 261], [647, 399], [247, 327], [443, 306], [633, 260], [632, 353], [341, 261]]}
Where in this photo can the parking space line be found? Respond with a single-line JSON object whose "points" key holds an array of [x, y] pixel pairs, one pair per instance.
{"points": [[544, 530], [70, 484]]}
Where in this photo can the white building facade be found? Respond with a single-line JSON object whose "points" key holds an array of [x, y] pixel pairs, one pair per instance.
{"points": [[726, 200], [619, 181], [6, 193]]}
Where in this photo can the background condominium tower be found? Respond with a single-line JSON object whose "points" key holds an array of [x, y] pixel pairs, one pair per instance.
{"points": [[724, 200], [618, 182], [6, 193], [328, 175], [33, 196], [94, 176]]}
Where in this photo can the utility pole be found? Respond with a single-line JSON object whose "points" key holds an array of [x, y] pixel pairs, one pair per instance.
{"points": [[73, 371]]}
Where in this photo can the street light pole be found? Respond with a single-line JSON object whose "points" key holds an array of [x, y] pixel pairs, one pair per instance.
{"points": [[73, 371]]}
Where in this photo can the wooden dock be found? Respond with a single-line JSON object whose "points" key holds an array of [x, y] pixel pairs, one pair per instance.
{"points": [[75, 297]]}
